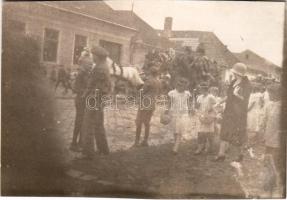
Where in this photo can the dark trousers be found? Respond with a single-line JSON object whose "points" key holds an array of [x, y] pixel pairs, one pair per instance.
{"points": [[205, 141], [143, 117], [93, 128], [203, 137], [80, 111]]}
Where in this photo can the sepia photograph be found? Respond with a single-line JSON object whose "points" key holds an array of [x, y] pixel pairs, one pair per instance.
{"points": [[144, 99]]}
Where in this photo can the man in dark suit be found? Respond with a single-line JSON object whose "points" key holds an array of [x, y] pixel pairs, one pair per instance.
{"points": [[99, 84]]}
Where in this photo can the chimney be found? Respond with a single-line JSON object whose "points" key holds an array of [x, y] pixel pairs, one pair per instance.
{"points": [[167, 27]]}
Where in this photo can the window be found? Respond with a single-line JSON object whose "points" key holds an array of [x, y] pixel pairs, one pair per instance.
{"points": [[51, 40], [114, 50], [80, 43], [17, 26]]}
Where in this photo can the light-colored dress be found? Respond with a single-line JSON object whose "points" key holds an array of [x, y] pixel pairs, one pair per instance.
{"points": [[266, 97], [253, 117], [271, 124], [266, 100], [179, 113], [205, 104], [179, 110]]}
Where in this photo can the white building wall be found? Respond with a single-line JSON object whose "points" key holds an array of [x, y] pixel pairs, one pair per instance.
{"points": [[37, 17]]}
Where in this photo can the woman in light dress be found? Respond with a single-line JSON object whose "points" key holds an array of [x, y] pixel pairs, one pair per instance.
{"points": [[255, 107]]}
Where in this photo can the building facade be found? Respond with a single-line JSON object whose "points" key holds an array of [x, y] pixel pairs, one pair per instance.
{"points": [[63, 32]]}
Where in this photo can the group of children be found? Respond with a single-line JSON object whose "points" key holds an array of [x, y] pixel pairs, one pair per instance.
{"points": [[263, 121], [181, 106]]}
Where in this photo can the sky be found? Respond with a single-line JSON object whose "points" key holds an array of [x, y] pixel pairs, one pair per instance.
{"points": [[257, 26]]}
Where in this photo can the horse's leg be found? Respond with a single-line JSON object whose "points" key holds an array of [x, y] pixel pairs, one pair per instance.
{"points": [[114, 96], [127, 91], [112, 85]]}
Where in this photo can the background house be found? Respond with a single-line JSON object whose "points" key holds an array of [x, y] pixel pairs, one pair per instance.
{"points": [[214, 48], [259, 65], [64, 28], [146, 38]]}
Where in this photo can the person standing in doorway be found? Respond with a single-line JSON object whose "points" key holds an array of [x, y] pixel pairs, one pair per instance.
{"points": [[61, 78]]}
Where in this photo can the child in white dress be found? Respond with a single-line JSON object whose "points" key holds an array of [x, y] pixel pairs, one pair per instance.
{"points": [[219, 108], [207, 116], [255, 105], [179, 107]]}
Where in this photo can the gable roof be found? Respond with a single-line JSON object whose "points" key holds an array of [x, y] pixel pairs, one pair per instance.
{"points": [[102, 11], [95, 9], [146, 32], [214, 48], [256, 62]]}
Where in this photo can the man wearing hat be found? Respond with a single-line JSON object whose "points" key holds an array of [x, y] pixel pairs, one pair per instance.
{"points": [[85, 65], [234, 120], [98, 84]]}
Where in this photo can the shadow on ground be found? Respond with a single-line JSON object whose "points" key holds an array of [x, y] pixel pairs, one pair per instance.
{"points": [[155, 172]]}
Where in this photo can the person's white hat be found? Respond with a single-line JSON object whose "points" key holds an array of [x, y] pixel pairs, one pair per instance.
{"points": [[239, 69]]}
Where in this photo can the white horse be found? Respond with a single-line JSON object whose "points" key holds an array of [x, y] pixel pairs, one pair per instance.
{"points": [[132, 79], [130, 74]]}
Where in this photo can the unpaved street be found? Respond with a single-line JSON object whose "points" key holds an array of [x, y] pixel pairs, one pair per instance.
{"points": [[152, 170]]}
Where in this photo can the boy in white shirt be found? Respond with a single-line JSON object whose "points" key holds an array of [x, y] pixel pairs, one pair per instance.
{"points": [[179, 109]]}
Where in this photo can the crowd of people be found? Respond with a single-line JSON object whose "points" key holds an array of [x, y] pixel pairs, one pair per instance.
{"points": [[248, 115]]}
